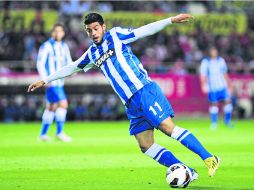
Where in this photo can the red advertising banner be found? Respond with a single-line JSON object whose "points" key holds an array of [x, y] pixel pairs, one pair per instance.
{"points": [[243, 85], [184, 92], [175, 86]]}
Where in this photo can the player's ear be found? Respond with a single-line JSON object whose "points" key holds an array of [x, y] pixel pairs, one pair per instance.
{"points": [[104, 27]]}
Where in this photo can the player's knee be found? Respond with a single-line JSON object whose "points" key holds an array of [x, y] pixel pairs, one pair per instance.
{"points": [[167, 128], [63, 104], [213, 109], [145, 146]]}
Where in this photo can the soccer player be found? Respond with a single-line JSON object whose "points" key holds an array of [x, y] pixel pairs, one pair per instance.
{"points": [[146, 106], [216, 83], [53, 55]]}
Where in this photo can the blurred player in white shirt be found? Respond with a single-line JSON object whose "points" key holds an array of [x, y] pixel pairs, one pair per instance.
{"points": [[53, 55], [216, 84]]}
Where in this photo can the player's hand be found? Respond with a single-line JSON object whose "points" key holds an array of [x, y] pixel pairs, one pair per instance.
{"points": [[181, 18], [35, 85]]}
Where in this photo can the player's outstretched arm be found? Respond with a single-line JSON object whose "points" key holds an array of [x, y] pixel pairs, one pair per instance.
{"points": [[61, 73], [83, 63], [155, 27]]}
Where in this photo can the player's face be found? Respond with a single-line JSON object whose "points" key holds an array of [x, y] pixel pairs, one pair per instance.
{"points": [[58, 33], [95, 31], [213, 52]]}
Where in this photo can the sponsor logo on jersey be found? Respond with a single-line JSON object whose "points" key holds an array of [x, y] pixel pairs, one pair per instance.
{"points": [[104, 57]]}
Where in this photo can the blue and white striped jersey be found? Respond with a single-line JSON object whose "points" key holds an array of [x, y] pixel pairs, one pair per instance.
{"points": [[52, 56], [115, 59], [214, 70]]}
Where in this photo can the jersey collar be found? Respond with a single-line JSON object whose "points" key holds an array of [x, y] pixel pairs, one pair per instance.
{"points": [[52, 40]]}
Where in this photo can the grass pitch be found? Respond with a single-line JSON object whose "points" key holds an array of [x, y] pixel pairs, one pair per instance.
{"points": [[103, 156]]}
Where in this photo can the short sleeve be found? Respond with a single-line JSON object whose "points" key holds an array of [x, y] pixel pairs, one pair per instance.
{"points": [[42, 61], [224, 66], [42, 53], [203, 68]]}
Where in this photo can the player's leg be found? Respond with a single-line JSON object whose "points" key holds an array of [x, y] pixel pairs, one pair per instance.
{"points": [[158, 111], [184, 137], [61, 113], [47, 120], [213, 109], [144, 112], [228, 108], [214, 115], [159, 153], [187, 139], [49, 113]]}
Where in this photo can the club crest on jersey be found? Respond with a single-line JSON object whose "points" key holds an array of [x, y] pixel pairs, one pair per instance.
{"points": [[104, 57]]}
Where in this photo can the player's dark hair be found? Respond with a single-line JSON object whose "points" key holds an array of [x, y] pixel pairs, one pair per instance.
{"points": [[93, 17]]}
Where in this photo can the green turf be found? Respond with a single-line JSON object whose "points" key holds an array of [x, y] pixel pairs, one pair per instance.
{"points": [[103, 156]]}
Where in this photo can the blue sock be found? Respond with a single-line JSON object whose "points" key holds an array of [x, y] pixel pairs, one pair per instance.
{"points": [[190, 142], [60, 119], [59, 127], [227, 113], [47, 120], [162, 155], [214, 110], [44, 129]]}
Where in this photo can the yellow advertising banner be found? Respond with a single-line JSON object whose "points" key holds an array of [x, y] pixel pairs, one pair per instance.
{"points": [[19, 19], [222, 24]]}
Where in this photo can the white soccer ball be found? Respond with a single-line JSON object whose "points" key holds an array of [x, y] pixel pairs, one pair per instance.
{"points": [[178, 176]]}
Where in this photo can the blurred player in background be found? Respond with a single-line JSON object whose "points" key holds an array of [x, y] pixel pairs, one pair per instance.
{"points": [[53, 55], [216, 83], [146, 106]]}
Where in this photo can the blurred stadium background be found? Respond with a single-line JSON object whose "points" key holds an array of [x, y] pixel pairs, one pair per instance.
{"points": [[172, 56], [101, 156]]}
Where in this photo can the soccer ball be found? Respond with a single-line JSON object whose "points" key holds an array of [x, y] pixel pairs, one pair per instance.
{"points": [[178, 176]]}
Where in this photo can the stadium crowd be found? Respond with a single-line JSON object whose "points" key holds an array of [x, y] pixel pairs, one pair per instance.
{"points": [[160, 53], [175, 53], [81, 107]]}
